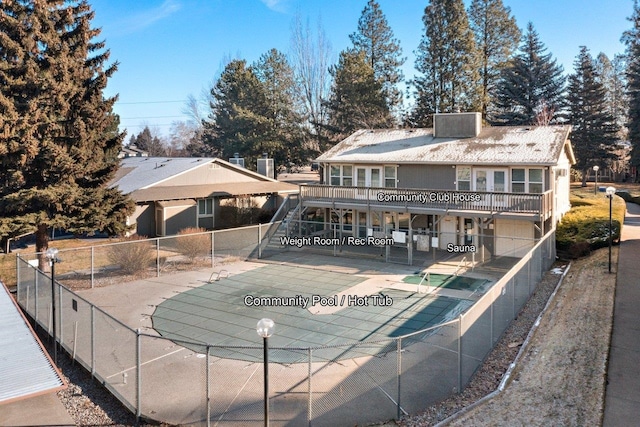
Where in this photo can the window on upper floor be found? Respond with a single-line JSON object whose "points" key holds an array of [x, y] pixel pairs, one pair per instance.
{"points": [[527, 180], [535, 181], [463, 175], [518, 181], [390, 177], [342, 175]]}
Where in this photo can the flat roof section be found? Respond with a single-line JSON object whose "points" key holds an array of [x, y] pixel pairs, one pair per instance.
{"points": [[25, 367]]}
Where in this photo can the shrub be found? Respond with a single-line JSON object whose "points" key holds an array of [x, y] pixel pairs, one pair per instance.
{"points": [[193, 245], [133, 256], [586, 226]]}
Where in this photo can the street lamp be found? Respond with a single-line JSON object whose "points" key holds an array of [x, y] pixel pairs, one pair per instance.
{"points": [[610, 192], [596, 168], [52, 256], [265, 330]]}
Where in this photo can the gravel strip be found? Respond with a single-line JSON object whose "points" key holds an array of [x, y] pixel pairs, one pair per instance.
{"points": [[488, 377], [86, 400]]}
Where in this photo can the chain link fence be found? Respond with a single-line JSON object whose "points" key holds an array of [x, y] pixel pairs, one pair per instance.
{"points": [[194, 383]]}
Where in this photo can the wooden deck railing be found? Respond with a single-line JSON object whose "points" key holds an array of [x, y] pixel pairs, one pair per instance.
{"points": [[521, 203]]}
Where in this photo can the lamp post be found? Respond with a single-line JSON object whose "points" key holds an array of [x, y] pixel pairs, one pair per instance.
{"points": [[52, 256], [265, 330], [596, 168], [610, 192]]}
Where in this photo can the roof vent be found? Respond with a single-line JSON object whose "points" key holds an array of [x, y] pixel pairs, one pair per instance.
{"points": [[457, 125]]}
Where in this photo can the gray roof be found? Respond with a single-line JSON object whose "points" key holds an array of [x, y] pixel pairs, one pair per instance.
{"points": [[180, 192], [137, 173], [25, 368], [539, 145]]}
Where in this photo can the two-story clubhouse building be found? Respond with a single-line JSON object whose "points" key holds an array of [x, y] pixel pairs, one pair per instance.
{"points": [[458, 187]]}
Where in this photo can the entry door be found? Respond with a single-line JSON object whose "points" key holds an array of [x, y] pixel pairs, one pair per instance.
{"points": [[492, 181], [367, 177]]}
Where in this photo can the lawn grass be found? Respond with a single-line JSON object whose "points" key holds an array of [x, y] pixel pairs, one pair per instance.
{"points": [[586, 226]]}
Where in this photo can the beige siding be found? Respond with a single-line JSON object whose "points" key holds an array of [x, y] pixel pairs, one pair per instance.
{"points": [[513, 238], [179, 217], [209, 173]]}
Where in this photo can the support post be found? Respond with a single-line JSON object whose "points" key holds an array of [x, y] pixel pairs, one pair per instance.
{"points": [[399, 378], [309, 387], [138, 376]]}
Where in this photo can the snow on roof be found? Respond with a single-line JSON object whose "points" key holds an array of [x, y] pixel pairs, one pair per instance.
{"points": [[540, 145]]}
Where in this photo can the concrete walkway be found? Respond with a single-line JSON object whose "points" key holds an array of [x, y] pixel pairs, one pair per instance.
{"points": [[622, 401]]}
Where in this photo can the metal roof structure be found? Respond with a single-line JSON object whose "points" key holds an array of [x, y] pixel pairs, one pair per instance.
{"points": [[25, 367], [136, 173], [202, 191], [535, 145]]}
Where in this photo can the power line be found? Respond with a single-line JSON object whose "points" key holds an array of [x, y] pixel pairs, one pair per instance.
{"points": [[151, 117], [150, 102]]}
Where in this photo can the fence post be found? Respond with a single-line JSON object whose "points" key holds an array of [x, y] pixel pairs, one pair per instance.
{"points": [[208, 387], [93, 340], [309, 393], [59, 311], [92, 266], [18, 275], [35, 284], [157, 257], [138, 376], [259, 240], [459, 353], [399, 360], [213, 249]]}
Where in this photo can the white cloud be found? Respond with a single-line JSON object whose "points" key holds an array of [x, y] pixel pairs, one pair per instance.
{"points": [[276, 5], [144, 19]]}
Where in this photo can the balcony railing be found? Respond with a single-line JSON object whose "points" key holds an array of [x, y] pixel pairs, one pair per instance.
{"points": [[423, 199]]}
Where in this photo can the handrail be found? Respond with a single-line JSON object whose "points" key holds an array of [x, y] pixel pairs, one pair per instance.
{"points": [[530, 203], [460, 264]]}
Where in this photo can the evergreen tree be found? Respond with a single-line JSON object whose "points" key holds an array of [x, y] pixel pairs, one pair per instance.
{"points": [[238, 115], [148, 142], [594, 130], [532, 83], [58, 137], [357, 100], [632, 39], [382, 51], [612, 76], [497, 36], [447, 58], [285, 142]]}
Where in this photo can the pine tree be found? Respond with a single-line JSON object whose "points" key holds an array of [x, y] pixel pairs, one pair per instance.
{"points": [[594, 130], [238, 115], [533, 82], [632, 39], [497, 36], [611, 75], [148, 142], [58, 137], [285, 142], [447, 58], [382, 51], [357, 100]]}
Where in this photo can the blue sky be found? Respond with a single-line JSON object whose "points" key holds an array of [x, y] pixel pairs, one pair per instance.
{"points": [[169, 49]]}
